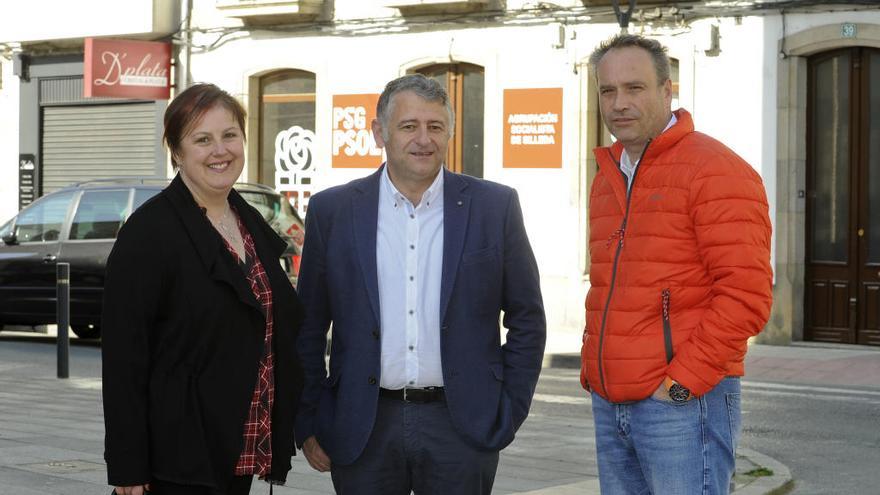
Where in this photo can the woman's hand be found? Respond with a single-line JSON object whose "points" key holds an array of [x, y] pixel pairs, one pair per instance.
{"points": [[132, 490]]}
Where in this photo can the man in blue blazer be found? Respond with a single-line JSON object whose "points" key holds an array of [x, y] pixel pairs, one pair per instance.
{"points": [[412, 267]]}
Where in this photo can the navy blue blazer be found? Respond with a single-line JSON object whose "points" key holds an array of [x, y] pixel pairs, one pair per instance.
{"points": [[488, 268]]}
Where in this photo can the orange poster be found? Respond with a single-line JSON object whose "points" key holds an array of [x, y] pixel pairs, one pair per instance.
{"points": [[533, 128], [353, 143]]}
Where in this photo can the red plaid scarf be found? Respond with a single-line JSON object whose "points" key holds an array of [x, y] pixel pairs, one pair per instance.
{"points": [[256, 455]]}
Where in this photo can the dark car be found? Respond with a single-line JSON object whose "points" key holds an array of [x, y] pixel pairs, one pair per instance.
{"points": [[78, 225]]}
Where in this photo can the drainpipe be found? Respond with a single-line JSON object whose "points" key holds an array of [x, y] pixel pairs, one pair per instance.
{"points": [[184, 49]]}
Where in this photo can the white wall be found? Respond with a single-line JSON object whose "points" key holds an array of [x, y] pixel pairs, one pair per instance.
{"points": [[519, 57], [732, 96], [8, 141], [43, 20], [796, 22]]}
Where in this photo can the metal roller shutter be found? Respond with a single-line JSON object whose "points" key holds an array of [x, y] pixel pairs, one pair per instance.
{"points": [[97, 141]]}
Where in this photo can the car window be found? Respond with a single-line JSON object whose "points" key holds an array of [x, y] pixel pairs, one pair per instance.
{"points": [[141, 196], [290, 222], [262, 202], [277, 211], [43, 220], [99, 215]]}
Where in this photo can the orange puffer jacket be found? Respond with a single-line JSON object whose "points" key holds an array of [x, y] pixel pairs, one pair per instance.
{"points": [[680, 275]]}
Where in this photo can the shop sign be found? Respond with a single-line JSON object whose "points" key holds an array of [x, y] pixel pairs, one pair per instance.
{"points": [[533, 128], [26, 180], [127, 69], [352, 137]]}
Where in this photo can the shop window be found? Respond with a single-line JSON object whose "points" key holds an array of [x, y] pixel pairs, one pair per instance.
{"points": [[287, 134], [466, 88]]}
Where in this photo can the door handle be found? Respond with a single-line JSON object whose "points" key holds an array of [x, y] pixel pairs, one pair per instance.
{"points": [[49, 258]]}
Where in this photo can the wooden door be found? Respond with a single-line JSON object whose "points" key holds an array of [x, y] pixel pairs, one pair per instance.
{"points": [[465, 86], [842, 279]]}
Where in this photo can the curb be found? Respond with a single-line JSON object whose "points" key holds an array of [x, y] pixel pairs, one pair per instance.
{"points": [[15, 336], [779, 483]]}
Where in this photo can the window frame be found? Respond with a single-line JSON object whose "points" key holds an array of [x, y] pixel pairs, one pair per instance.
{"points": [[41, 203], [126, 212], [455, 75]]}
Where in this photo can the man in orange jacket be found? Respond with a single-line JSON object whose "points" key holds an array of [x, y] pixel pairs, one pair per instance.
{"points": [[680, 279]]}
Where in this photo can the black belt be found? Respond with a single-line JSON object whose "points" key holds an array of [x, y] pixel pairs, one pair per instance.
{"points": [[415, 395]]}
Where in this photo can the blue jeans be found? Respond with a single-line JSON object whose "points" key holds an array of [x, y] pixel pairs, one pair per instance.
{"points": [[665, 448]]}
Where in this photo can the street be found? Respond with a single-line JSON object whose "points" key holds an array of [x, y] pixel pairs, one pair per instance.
{"points": [[51, 432], [829, 437]]}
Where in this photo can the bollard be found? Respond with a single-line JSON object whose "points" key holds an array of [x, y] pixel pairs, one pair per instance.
{"points": [[62, 273]]}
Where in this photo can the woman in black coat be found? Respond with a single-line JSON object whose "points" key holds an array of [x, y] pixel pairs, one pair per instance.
{"points": [[201, 379]]}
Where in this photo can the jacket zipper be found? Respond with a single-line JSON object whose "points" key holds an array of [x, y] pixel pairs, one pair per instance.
{"points": [[620, 234], [667, 327]]}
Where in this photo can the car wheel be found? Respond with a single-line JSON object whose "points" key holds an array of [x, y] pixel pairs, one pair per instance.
{"points": [[87, 331]]}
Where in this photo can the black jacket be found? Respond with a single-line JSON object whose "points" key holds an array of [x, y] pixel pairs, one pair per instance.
{"points": [[182, 338]]}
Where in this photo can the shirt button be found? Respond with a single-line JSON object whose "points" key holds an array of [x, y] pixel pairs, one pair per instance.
{"points": [[376, 334], [372, 380], [411, 278], [412, 216], [412, 246], [411, 311], [411, 348], [412, 382]]}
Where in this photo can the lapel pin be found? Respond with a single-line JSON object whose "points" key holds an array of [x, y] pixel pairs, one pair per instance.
{"points": [[459, 203]]}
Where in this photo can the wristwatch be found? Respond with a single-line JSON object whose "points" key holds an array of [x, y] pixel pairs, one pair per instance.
{"points": [[677, 392]]}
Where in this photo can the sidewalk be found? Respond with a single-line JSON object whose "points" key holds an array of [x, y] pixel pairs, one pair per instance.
{"points": [[51, 431], [801, 363]]}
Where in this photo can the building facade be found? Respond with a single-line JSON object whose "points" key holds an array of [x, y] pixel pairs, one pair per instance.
{"points": [[791, 86]]}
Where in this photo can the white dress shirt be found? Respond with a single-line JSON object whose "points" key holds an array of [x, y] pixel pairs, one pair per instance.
{"points": [[626, 164], [409, 260]]}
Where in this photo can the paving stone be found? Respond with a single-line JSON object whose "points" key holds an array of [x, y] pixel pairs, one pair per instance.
{"points": [[51, 434]]}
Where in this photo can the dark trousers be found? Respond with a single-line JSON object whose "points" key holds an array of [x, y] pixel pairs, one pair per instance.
{"points": [[414, 448], [240, 485]]}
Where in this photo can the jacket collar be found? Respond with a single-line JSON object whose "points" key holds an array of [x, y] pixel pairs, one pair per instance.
{"points": [[667, 139], [608, 157], [365, 211], [209, 244]]}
